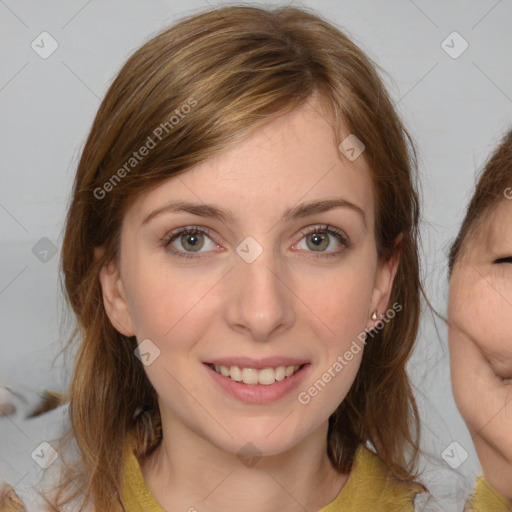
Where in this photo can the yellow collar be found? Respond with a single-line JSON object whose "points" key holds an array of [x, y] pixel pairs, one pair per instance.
{"points": [[369, 484]]}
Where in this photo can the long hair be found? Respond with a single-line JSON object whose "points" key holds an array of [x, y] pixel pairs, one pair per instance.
{"points": [[188, 94]]}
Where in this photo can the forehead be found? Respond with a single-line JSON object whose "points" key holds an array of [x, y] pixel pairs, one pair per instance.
{"points": [[294, 158], [493, 233]]}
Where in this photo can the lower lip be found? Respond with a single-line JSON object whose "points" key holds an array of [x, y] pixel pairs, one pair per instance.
{"points": [[258, 393]]}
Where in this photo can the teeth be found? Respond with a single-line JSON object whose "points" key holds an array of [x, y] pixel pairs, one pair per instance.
{"points": [[252, 376], [507, 381], [280, 373], [235, 373], [266, 376]]}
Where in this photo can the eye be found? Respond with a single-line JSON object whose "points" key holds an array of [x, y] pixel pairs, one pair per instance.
{"points": [[506, 259], [192, 240], [318, 239], [188, 241]]}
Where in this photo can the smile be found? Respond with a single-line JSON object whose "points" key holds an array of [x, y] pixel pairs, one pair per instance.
{"points": [[253, 376], [271, 380]]}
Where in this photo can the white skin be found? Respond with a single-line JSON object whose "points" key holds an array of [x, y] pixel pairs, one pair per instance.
{"points": [[293, 300], [480, 336]]}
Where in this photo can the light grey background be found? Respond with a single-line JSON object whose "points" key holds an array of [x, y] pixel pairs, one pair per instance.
{"points": [[455, 108]]}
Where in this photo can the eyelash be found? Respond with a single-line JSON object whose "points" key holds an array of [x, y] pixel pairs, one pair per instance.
{"points": [[506, 259], [193, 230]]}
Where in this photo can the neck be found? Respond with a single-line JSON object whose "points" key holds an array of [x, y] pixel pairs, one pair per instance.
{"points": [[187, 472]]}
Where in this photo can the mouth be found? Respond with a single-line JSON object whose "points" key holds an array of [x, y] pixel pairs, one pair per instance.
{"points": [[253, 376]]}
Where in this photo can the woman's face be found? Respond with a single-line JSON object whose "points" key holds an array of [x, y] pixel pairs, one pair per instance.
{"points": [[253, 290], [480, 330]]}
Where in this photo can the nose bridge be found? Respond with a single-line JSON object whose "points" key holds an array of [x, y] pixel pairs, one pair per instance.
{"points": [[261, 301]]}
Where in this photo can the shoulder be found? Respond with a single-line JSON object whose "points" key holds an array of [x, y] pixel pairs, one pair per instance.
{"points": [[371, 486], [135, 495], [485, 498]]}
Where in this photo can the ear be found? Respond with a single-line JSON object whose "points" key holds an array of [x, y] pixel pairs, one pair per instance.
{"points": [[385, 276], [114, 298]]}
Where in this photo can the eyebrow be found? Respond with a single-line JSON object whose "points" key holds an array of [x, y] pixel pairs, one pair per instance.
{"points": [[296, 212]]}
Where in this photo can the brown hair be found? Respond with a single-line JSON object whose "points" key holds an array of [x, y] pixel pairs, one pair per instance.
{"points": [[237, 68], [493, 184]]}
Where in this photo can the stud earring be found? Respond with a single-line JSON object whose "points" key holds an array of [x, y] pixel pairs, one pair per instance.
{"points": [[374, 315]]}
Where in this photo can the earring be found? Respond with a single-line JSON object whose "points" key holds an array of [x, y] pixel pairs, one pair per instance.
{"points": [[374, 315]]}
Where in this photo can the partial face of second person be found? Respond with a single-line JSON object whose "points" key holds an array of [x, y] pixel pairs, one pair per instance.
{"points": [[306, 297], [480, 334]]}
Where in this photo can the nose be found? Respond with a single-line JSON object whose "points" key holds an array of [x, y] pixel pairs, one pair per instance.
{"points": [[260, 303]]}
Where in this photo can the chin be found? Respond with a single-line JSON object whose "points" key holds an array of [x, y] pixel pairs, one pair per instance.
{"points": [[258, 443]]}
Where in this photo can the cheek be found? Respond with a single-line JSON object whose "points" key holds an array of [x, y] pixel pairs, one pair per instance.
{"points": [[485, 314], [480, 321], [338, 309], [344, 301], [166, 299], [174, 309], [181, 308]]}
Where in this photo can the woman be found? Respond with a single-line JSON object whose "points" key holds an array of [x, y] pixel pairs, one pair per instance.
{"points": [[241, 255], [479, 307]]}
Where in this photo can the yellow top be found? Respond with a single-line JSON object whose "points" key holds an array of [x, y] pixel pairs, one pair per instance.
{"points": [[369, 487], [485, 498]]}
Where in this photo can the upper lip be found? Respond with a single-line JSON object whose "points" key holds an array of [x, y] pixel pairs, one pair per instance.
{"points": [[258, 364]]}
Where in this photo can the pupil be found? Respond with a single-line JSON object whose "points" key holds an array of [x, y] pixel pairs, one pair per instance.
{"points": [[192, 241], [318, 239]]}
